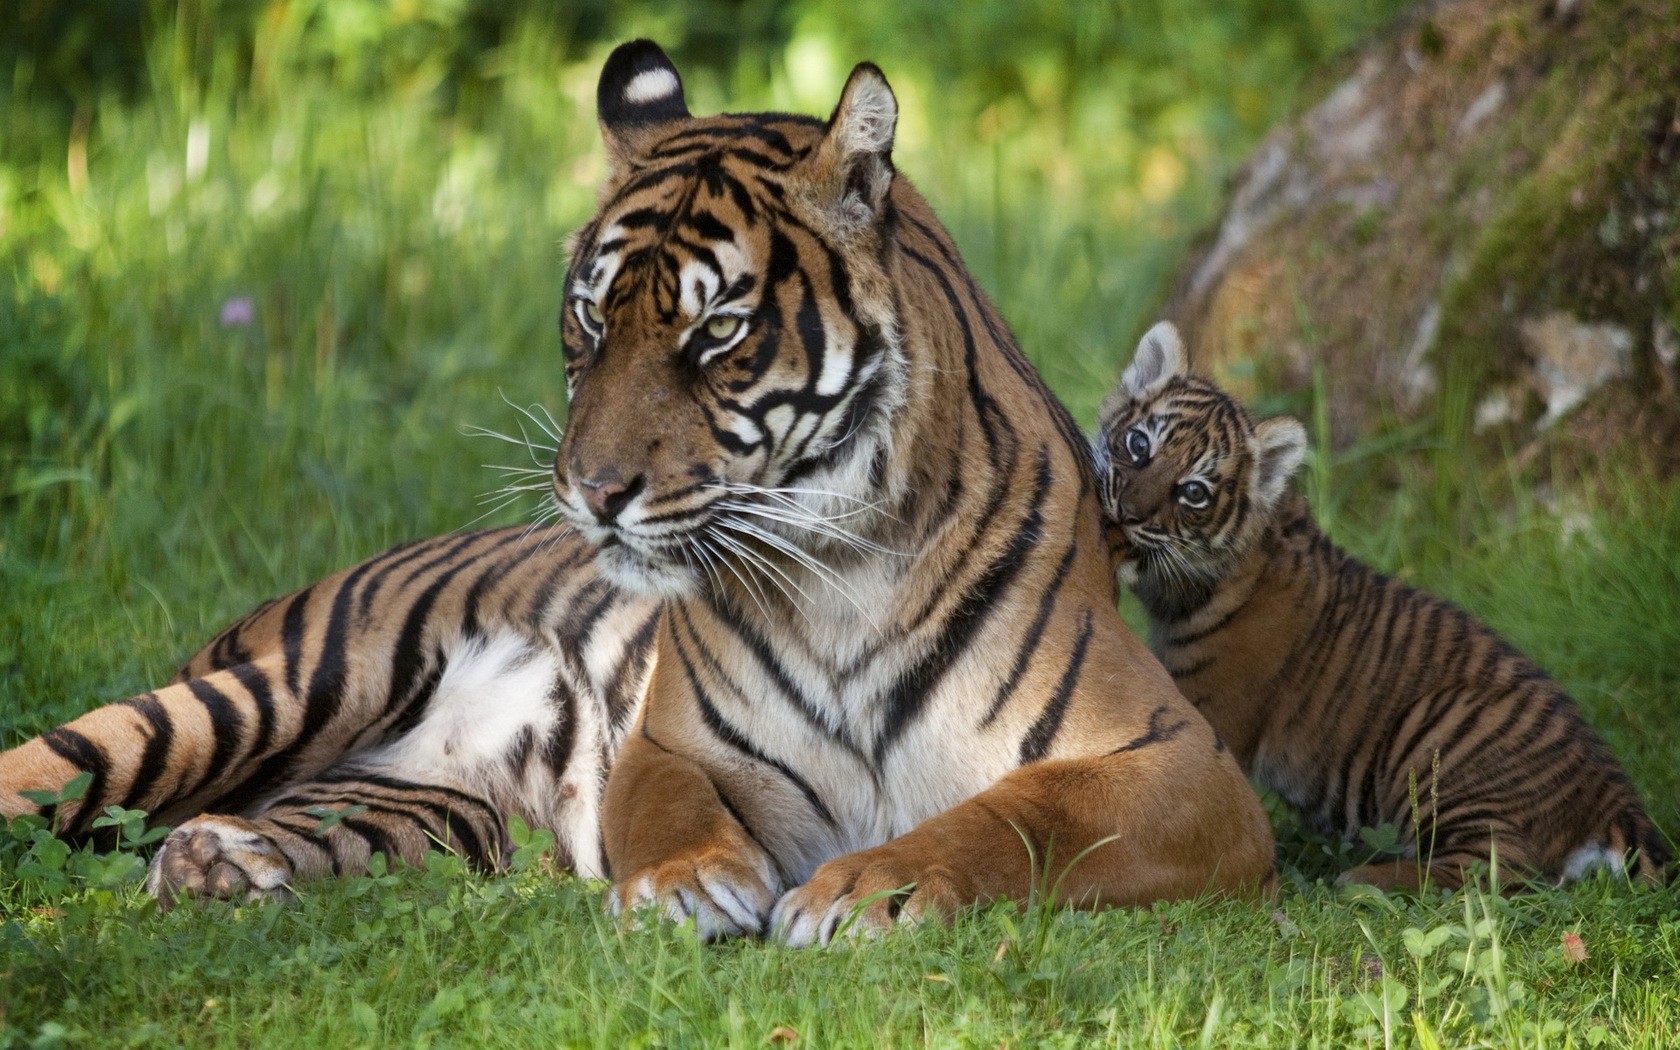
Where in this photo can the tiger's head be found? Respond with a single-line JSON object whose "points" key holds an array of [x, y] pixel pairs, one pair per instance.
{"points": [[1188, 480], [730, 338]]}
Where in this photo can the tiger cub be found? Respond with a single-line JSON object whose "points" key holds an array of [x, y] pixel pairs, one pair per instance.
{"points": [[1359, 700]]}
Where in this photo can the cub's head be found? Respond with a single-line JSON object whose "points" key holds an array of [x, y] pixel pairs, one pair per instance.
{"points": [[730, 339], [1187, 478]]}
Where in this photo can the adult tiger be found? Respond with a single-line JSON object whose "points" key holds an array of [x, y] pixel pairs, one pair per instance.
{"points": [[888, 620], [891, 670]]}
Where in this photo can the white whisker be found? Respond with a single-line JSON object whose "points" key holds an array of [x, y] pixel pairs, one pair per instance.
{"points": [[550, 427], [816, 525], [769, 571], [802, 557], [747, 585]]}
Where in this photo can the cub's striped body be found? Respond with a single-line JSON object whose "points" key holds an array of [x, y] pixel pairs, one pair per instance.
{"points": [[891, 656], [1350, 694], [444, 686]]}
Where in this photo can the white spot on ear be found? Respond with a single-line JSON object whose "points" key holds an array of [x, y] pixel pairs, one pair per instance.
{"points": [[650, 85]]}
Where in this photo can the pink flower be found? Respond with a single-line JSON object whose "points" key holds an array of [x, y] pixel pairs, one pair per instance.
{"points": [[1574, 949], [238, 312]]}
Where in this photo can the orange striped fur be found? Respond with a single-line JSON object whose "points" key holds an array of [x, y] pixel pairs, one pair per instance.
{"points": [[1361, 701], [425, 696], [840, 530], [891, 669]]}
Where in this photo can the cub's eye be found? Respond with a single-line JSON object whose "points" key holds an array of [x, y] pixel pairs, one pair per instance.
{"points": [[1195, 495], [723, 327], [590, 315], [1137, 446]]}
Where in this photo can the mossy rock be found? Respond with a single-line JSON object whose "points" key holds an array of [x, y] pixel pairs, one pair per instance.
{"points": [[1474, 233]]}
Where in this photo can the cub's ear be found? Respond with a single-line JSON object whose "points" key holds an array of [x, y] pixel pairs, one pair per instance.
{"points": [[1159, 357], [639, 98], [853, 165], [1279, 446]]}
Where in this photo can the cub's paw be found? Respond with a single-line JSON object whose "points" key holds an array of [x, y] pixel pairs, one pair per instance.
{"points": [[865, 894], [727, 894], [219, 857]]}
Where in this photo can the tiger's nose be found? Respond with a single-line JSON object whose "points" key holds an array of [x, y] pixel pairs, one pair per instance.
{"points": [[606, 494]]}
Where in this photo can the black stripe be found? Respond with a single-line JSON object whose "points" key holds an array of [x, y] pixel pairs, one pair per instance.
{"points": [[358, 778], [375, 837], [1155, 734], [227, 725], [558, 744], [154, 760], [291, 639], [87, 756], [767, 659], [408, 654], [915, 687], [1035, 632], [1037, 742], [621, 704], [727, 733], [390, 562]]}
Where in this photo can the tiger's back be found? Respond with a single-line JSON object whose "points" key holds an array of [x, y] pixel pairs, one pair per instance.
{"points": [[1358, 699]]}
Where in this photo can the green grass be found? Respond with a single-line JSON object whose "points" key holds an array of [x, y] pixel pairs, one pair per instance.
{"points": [[395, 227], [440, 957]]}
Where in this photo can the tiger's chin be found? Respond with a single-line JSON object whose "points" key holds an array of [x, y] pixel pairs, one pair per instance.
{"points": [[634, 572]]}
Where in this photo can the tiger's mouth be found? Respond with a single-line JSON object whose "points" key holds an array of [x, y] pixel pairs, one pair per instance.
{"points": [[644, 572], [715, 534], [1165, 560]]}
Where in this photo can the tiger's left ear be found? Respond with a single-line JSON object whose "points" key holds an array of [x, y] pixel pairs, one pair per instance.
{"points": [[854, 163], [1280, 445], [638, 100]]}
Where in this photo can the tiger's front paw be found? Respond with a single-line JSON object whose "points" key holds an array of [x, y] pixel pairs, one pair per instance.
{"points": [[881, 886], [214, 856], [726, 893]]}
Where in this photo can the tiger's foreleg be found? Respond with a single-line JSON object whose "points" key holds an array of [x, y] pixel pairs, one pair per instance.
{"points": [[672, 843], [1122, 829], [331, 825]]}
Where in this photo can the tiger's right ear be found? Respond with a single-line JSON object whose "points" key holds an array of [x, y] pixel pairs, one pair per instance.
{"points": [[639, 99], [854, 167], [1281, 444], [1159, 357]]}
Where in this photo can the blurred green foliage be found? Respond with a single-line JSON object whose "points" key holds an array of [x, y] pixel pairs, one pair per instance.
{"points": [[378, 188]]}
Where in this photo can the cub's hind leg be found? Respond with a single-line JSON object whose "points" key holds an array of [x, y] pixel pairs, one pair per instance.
{"points": [[332, 824], [1500, 850]]}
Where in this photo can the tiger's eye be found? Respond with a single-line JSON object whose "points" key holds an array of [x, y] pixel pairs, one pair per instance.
{"points": [[723, 327], [1194, 494], [593, 315], [1137, 445]]}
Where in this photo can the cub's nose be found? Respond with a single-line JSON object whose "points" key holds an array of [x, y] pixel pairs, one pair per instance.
{"points": [[607, 493]]}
